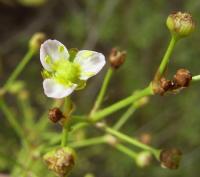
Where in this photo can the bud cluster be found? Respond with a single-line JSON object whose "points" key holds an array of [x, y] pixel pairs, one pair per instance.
{"points": [[180, 80]]}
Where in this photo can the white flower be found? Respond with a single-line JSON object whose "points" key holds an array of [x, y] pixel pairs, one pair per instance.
{"points": [[65, 73]]}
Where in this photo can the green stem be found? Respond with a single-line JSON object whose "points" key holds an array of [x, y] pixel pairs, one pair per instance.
{"points": [[18, 69], [99, 115], [126, 150], [132, 141], [12, 120], [124, 117], [78, 126], [65, 130], [89, 142], [165, 59], [27, 112], [102, 92], [196, 78]]}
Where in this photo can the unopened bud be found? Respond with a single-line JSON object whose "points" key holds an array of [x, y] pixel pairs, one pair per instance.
{"points": [[111, 140], [180, 24], [143, 159], [182, 77], [100, 125], [61, 161], [36, 41], [55, 115], [117, 58], [89, 175], [170, 158], [145, 138]]}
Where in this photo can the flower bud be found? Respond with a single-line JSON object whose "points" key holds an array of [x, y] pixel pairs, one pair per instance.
{"points": [[61, 161], [111, 140], [55, 115], [170, 158], [36, 41], [143, 159], [180, 24], [89, 175], [145, 138], [117, 58], [182, 77]]}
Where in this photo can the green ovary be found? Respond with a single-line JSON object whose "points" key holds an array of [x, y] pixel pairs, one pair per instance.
{"points": [[66, 72]]}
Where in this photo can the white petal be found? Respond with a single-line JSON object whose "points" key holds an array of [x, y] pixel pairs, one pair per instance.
{"points": [[55, 90], [51, 48], [91, 63]]}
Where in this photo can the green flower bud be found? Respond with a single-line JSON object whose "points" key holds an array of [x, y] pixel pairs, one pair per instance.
{"points": [[36, 41], [180, 24], [89, 175], [143, 159], [61, 160]]}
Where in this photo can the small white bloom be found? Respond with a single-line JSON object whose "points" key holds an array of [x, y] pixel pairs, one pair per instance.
{"points": [[63, 74]]}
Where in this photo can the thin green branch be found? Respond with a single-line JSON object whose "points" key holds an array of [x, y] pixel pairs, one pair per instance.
{"points": [[165, 59], [12, 120], [99, 115], [102, 92], [126, 150], [196, 78], [18, 70], [123, 119], [65, 130], [88, 142], [132, 141]]}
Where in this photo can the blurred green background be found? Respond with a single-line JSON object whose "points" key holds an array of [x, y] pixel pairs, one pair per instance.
{"points": [[137, 26]]}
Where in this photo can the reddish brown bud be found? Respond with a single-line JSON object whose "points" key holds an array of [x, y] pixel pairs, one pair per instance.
{"points": [[182, 78], [165, 84], [55, 115], [117, 58], [170, 158], [162, 86], [145, 138]]}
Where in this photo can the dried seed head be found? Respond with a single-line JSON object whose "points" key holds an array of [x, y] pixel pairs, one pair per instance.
{"points": [[180, 24], [55, 115], [170, 158], [117, 58], [36, 41], [61, 161], [182, 77]]}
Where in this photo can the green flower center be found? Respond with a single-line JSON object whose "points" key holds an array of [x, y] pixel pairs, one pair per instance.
{"points": [[66, 72]]}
